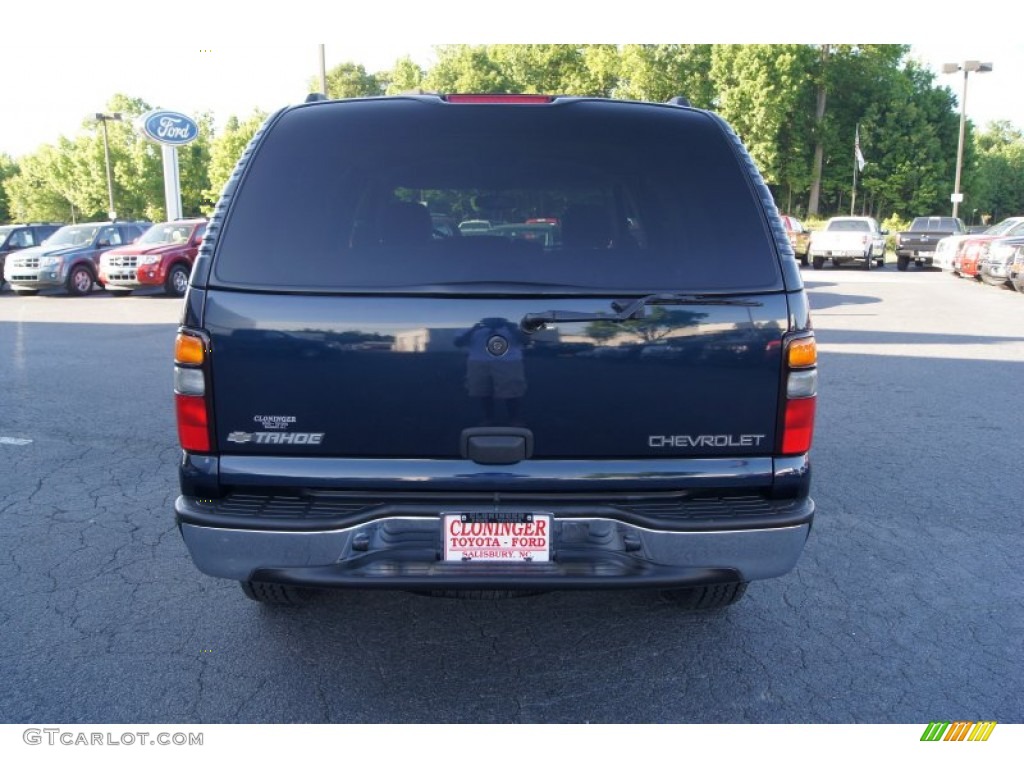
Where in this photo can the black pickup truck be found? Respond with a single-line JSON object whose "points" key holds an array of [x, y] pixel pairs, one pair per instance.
{"points": [[918, 243]]}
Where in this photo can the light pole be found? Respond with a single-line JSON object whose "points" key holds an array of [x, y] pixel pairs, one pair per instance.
{"points": [[323, 72], [103, 118], [948, 69]]}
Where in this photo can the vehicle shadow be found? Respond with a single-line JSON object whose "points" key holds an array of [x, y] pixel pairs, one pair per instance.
{"points": [[822, 301]]}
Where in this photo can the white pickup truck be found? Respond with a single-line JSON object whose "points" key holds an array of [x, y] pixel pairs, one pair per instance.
{"points": [[848, 238]]}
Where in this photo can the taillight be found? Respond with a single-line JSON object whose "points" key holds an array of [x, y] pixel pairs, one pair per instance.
{"points": [[801, 395], [191, 402], [193, 424]]}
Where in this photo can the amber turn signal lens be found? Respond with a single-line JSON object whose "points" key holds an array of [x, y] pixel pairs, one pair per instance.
{"points": [[803, 353], [188, 350]]}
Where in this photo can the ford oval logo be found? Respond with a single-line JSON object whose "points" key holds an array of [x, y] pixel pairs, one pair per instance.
{"points": [[172, 128]]}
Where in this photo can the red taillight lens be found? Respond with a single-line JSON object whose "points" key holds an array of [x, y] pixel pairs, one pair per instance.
{"points": [[800, 395], [799, 426], [498, 98], [190, 393], [193, 423]]}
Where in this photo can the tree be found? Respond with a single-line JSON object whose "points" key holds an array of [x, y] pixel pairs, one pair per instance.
{"points": [[848, 78], [404, 77], [466, 69], [134, 165], [820, 100], [8, 170], [348, 80], [998, 190], [194, 160], [44, 188], [225, 150], [764, 93], [659, 72], [909, 136]]}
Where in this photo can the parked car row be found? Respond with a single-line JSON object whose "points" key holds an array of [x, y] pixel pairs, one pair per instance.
{"points": [[994, 256], [118, 256]]}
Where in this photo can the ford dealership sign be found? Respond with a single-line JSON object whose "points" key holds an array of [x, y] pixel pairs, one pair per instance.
{"points": [[171, 128]]}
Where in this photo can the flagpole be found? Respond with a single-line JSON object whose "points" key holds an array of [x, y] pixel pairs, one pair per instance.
{"points": [[853, 197]]}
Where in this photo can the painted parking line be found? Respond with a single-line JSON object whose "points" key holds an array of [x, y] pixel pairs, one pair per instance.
{"points": [[14, 441]]}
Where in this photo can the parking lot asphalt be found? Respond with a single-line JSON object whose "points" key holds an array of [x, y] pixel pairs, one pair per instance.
{"points": [[906, 606]]}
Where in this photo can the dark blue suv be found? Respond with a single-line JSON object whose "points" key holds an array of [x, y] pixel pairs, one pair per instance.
{"points": [[366, 401]]}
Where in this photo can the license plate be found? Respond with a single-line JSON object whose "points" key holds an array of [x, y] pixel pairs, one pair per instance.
{"points": [[485, 537]]}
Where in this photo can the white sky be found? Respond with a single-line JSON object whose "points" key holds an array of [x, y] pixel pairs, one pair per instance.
{"points": [[207, 59]]}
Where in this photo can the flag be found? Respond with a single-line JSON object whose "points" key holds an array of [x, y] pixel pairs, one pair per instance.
{"points": [[856, 151]]}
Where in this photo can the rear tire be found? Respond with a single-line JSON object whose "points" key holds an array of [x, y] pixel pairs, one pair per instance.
{"points": [[707, 597], [902, 263], [867, 261], [275, 594], [818, 262]]}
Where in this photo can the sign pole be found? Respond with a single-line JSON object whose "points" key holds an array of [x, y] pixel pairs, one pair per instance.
{"points": [[170, 130], [172, 182]]}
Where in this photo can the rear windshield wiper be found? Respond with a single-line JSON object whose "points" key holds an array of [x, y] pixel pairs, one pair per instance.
{"points": [[633, 310]]}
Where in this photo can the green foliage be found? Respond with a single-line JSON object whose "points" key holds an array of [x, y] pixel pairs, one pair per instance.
{"points": [[581, 70], [404, 77], [347, 81], [466, 69], [659, 72], [909, 135], [894, 224], [763, 92], [44, 188], [999, 188], [225, 150], [8, 169], [194, 162]]}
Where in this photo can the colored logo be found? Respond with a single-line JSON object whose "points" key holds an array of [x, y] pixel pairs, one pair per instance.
{"points": [[171, 128], [958, 731]]}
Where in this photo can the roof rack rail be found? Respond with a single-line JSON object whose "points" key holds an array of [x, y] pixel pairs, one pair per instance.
{"points": [[315, 97], [679, 101]]}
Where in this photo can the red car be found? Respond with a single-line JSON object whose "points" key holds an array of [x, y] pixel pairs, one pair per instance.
{"points": [[799, 237], [162, 257], [967, 260]]}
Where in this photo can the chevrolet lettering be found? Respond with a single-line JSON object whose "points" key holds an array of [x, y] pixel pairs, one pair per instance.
{"points": [[512, 305], [704, 441]]}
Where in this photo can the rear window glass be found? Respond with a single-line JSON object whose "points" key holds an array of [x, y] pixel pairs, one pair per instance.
{"points": [[407, 194], [934, 225], [848, 226]]}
